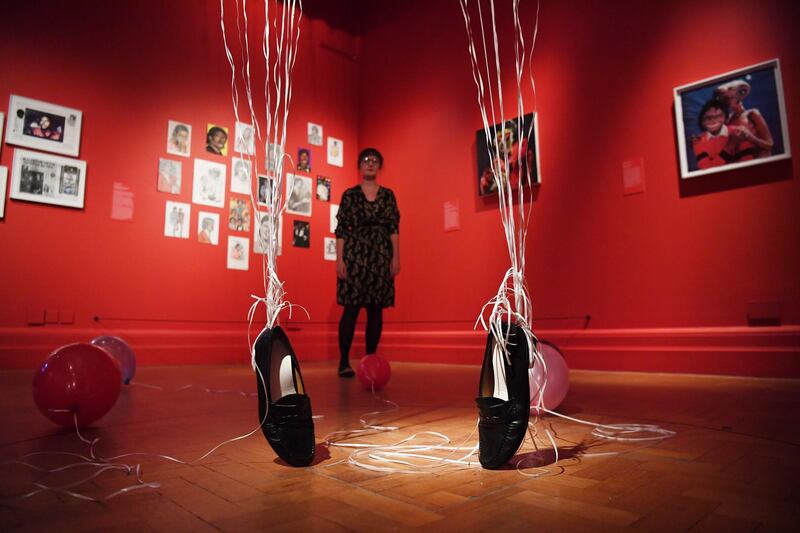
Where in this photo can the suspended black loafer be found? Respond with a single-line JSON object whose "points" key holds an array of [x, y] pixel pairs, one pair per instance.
{"points": [[284, 409], [504, 399]]}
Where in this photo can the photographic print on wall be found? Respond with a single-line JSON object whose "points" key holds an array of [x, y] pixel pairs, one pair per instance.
{"points": [[179, 138], [301, 236], [176, 220], [245, 142], [2, 123], [298, 195], [266, 188], [208, 228], [517, 139], [262, 231], [732, 120], [3, 183], [238, 253], [323, 189], [217, 140], [241, 170], [48, 179], [43, 126], [208, 185], [239, 214], [169, 176], [335, 152]]}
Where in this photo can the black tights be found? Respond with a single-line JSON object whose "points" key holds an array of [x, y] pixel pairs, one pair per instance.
{"points": [[347, 329]]}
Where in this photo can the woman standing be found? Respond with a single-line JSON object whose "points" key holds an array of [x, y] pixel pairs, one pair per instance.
{"points": [[367, 255]]}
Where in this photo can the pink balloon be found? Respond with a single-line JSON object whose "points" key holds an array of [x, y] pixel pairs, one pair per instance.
{"points": [[557, 377], [373, 372]]}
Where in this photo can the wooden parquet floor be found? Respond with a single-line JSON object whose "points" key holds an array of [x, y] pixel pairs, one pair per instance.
{"points": [[732, 466]]}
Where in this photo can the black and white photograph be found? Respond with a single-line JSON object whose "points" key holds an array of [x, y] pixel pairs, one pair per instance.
{"points": [[169, 176], [335, 152], [732, 120], [330, 249], [323, 189], [238, 253], [3, 185], [239, 214], [208, 228], [208, 187], [301, 235], [179, 138], [266, 188], [48, 179], [274, 157], [245, 140], [261, 233], [332, 221], [43, 126], [314, 134], [298, 195], [241, 170], [176, 220]]}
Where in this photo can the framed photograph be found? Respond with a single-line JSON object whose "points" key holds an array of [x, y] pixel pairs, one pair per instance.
{"points": [[314, 134], [238, 253], [732, 120], [208, 228], [217, 140], [335, 152], [169, 176], [43, 126], [245, 140], [261, 233], [517, 141], [239, 214], [330, 249], [323, 189], [208, 184], [176, 220], [48, 179], [2, 122], [179, 138], [241, 172], [266, 190], [301, 236], [274, 157], [303, 160], [298, 195], [333, 221], [3, 185]]}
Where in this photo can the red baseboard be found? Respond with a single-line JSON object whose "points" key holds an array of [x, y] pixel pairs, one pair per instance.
{"points": [[742, 351]]}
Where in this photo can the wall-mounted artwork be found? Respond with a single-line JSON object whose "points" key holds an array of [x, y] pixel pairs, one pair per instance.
{"points": [[169, 176], [266, 188], [262, 231], [329, 253], [314, 134], [732, 120], [2, 122], [303, 160], [216, 140], [208, 228], [245, 142], [43, 126], [238, 253], [3, 184], [176, 220], [333, 221], [323, 189], [335, 152], [179, 138], [301, 236], [239, 214], [208, 184], [514, 150], [241, 172], [274, 156], [298, 195], [48, 179]]}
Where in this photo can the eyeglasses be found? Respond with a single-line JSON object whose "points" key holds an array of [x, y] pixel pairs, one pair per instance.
{"points": [[370, 159]]}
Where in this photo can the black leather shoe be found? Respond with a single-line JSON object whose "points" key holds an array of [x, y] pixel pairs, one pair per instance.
{"points": [[288, 427], [504, 399]]}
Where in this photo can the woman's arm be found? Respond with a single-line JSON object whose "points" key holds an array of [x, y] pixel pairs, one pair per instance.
{"points": [[395, 266], [341, 268]]}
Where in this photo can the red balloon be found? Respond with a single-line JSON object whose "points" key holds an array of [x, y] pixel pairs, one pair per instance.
{"points": [[77, 379], [373, 372]]}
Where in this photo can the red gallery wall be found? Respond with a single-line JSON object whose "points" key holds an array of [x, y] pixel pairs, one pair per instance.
{"points": [[668, 276], [131, 67]]}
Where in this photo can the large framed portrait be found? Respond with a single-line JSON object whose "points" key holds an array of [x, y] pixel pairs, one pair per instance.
{"points": [[732, 120], [298, 195], [43, 126], [514, 148], [48, 179]]}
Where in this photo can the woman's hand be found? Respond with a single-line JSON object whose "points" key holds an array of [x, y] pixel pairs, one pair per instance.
{"points": [[394, 268], [341, 269]]}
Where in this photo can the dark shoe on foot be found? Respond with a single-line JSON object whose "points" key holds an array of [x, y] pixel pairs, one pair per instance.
{"points": [[504, 399], [346, 372], [284, 409]]}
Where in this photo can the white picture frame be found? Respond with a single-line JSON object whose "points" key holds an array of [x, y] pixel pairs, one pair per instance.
{"points": [[208, 228], [179, 138], [2, 123], [208, 183], [241, 175], [751, 105], [177, 216], [298, 195], [329, 251], [238, 253], [262, 223], [43, 126], [3, 186], [335, 152], [48, 179], [314, 134], [245, 140], [333, 222]]}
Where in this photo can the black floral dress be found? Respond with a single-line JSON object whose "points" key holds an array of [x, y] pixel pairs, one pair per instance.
{"points": [[365, 227]]}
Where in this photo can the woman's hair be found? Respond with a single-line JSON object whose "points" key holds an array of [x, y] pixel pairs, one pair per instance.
{"points": [[711, 104], [213, 131], [366, 152], [179, 128]]}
